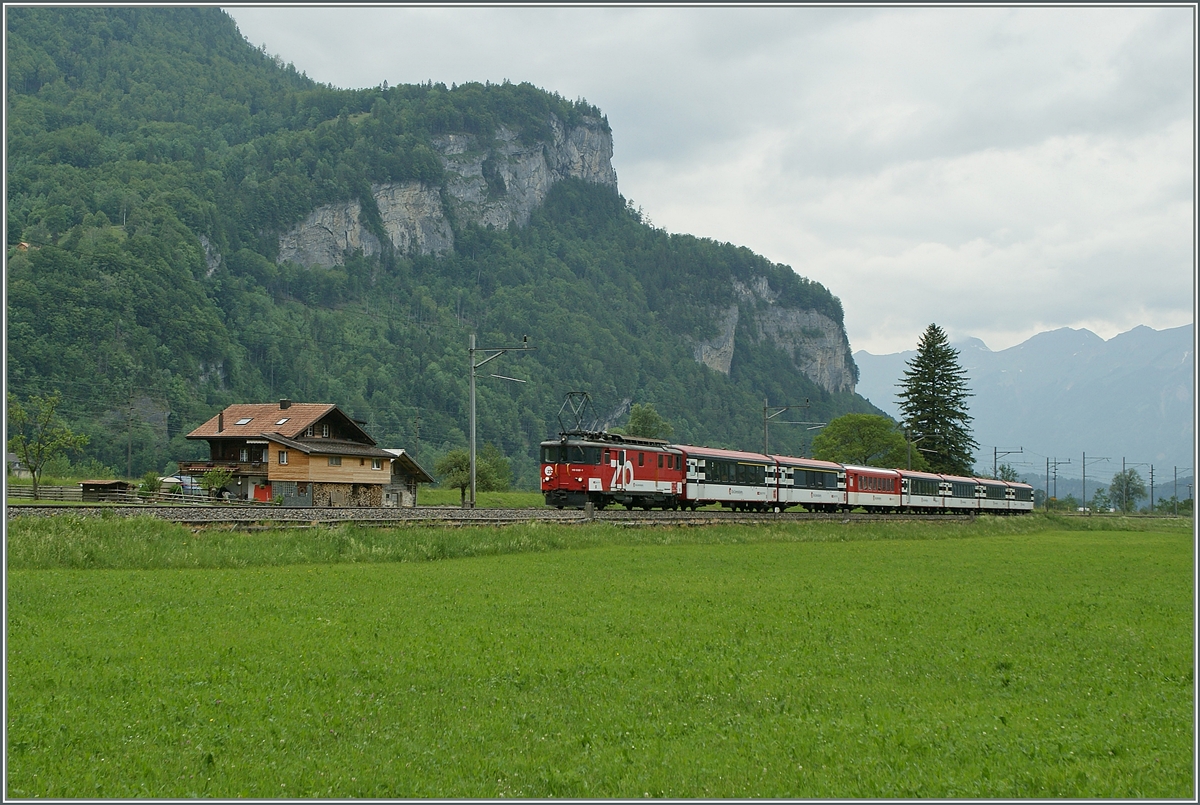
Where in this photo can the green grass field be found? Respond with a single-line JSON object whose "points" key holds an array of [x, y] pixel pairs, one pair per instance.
{"points": [[1014, 658]]}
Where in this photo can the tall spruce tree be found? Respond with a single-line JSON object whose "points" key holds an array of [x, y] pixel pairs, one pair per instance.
{"points": [[933, 400]]}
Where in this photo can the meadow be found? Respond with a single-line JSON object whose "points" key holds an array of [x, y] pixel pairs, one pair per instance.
{"points": [[1006, 658]]}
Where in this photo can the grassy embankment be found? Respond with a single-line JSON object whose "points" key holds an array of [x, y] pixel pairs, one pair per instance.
{"points": [[1027, 657]]}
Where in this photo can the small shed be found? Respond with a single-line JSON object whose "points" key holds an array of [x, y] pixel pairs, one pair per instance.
{"points": [[107, 491], [401, 491]]}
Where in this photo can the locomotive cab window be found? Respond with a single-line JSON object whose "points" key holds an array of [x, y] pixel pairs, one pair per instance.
{"points": [[579, 454], [570, 454]]}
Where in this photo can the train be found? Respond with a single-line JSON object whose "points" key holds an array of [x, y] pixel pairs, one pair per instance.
{"points": [[606, 469]]}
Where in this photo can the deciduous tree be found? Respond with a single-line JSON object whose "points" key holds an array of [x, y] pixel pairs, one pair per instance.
{"points": [[866, 439], [646, 422], [492, 473], [933, 399], [1126, 489], [499, 471], [1007, 472], [1101, 501], [39, 434]]}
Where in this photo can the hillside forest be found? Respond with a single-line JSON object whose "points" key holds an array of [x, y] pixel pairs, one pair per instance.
{"points": [[154, 157]]}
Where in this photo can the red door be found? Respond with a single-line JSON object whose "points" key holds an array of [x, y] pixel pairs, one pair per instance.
{"points": [[262, 492]]}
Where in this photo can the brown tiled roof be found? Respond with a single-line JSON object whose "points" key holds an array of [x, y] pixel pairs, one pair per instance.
{"points": [[263, 419]]}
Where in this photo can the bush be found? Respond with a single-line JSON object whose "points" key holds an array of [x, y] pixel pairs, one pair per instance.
{"points": [[150, 484]]}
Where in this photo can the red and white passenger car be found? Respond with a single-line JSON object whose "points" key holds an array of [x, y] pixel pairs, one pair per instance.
{"points": [[741, 481]]}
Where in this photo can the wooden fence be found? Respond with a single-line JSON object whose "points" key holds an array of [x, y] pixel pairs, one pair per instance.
{"points": [[46, 492], [75, 493]]}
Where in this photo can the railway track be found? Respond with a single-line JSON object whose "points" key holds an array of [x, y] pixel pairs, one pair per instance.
{"points": [[277, 517]]}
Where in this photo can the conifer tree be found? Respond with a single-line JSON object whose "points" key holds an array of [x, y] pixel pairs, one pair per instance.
{"points": [[933, 400]]}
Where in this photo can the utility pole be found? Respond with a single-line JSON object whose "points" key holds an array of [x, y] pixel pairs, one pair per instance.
{"points": [[496, 353], [1094, 459], [129, 440], [1176, 494], [909, 442], [781, 408], [417, 438], [1055, 462], [1152, 489], [997, 452]]}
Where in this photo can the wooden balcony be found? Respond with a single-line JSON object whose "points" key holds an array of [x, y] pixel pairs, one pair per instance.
{"points": [[198, 468]]}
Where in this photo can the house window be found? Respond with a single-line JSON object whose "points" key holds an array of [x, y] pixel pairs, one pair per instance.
{"points": [[335, 461], [324, 431], [244, 420], [244, 455], [308, 431], [280, 422], [283, 457], [377, 463]]}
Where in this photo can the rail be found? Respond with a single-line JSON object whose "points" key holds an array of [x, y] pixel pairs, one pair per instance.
{"points": [[250, 515]]}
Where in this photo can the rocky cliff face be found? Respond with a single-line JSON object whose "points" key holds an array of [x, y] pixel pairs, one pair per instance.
{"points": [[500, 181], [816, 344], [491, 182]]}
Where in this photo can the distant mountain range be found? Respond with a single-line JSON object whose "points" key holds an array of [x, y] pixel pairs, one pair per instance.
{"points": [[1068, 392]]}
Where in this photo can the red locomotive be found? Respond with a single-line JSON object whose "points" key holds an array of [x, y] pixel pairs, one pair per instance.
{"points": [[603, 468]]}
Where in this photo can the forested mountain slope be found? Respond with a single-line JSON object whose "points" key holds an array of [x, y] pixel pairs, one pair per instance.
{"points": [[192, 224]]}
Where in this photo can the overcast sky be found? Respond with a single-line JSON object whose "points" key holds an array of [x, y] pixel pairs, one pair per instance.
{"points": [[998, 171]]}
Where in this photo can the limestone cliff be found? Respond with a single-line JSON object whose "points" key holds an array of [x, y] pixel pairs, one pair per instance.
{"points": [[816, 344], [489, 181], [717, 353], [499, 180]]}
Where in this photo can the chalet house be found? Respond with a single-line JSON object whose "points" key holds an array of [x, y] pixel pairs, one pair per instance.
{"points": [[306, 454]]}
